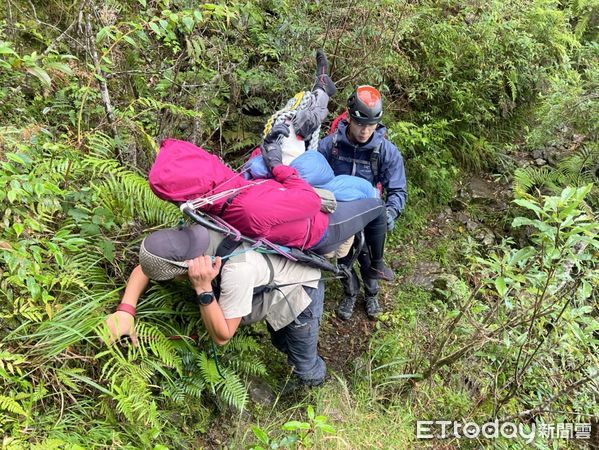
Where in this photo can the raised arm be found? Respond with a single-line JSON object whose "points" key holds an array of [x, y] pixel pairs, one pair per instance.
{"points": [[122, 322]]}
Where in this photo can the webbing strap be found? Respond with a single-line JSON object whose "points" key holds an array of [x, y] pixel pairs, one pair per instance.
{"points": [[374, 164], [227, 203], [353, 160], [225, 250], [373, 161], [269, 286]]}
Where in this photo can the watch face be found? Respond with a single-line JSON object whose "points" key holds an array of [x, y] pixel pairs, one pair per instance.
{"points": [[205, 298]]}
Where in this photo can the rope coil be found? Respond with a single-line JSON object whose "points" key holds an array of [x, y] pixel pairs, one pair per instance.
{"points": [[301, 100]]}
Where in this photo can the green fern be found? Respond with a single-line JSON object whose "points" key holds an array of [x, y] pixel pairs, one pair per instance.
{"points": [[577, 169], [11, 405], [232, 390], [188, 386], [247, 353], [250, 366], [160, 345], [10, 364], [533, 180], [207, 368], [129, 195], [157, 105], [134, 401], [100, 146]]}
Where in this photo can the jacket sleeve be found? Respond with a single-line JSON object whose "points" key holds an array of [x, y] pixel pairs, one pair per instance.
{"points": [[393, 177], [325, 146]]}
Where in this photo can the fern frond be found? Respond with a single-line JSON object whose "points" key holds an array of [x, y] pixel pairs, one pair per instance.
{"points": [[249, 367], [208, 370], [9, 364], [188, 386], [99, 165], [157, 105], [530, 180], [134, 401], [232, 390], [160, 345], [243, 343], [100, 145], [11, 405], [129, 195]]}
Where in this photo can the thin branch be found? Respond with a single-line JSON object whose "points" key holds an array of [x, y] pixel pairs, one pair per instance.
{"points": [[65, 33], [551, 399], [101, 79]]}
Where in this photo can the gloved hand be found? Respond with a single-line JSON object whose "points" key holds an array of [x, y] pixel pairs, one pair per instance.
{"points": [[391, 216], [276, 132], [323, 81], [272, 154], [271, 148]]}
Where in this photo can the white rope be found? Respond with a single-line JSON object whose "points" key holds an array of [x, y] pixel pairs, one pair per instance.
{"points": [[288, 112], [211, 199]]}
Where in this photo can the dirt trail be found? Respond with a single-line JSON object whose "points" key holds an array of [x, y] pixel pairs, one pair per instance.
{"points": [[477, 209]]}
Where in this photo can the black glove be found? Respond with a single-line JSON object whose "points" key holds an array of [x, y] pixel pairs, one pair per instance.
{"points": [[271, 148], [323, 81], [272, 154], [276, 133]]}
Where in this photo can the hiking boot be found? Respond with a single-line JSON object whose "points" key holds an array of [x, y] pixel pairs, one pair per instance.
{"points": [[295, 386], [373, 309], [292, 386], [346, 308], [323, 81], [379, 271]]}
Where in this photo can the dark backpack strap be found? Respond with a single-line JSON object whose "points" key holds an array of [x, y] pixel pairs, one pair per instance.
{"points": [[374, 164], [334, 150], [374, 158], [225, 248], [226, 204], [269, 286]]}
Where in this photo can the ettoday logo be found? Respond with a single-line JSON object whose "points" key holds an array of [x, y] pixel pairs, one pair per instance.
{"points": [[443, 429], [429, 429]]}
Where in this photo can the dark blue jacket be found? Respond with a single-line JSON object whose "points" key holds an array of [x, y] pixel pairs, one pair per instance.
{"points": [[350, 159]]}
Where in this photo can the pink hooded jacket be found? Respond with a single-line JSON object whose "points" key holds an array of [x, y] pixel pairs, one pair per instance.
{"points": [[284, 210]]}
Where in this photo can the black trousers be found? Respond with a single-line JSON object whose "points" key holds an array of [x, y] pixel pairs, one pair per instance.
{"points": [[351, 285], [350, 218], [299, 340]]}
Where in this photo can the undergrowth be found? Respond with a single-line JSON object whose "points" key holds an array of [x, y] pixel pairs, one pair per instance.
{"points": [[88, 90]]}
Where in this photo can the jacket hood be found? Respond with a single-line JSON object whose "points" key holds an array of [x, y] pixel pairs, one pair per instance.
{"points": [[183, 171]]}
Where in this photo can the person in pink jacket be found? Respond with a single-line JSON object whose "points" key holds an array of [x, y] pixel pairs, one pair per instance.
{"points": [[284, 209]]}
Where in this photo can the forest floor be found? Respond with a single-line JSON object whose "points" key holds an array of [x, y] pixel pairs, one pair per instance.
{"points": [[477, 210]]}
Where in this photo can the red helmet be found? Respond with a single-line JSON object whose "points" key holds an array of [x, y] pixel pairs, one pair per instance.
{"points": [[365, 105]]}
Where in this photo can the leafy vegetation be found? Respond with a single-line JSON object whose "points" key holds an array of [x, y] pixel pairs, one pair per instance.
{"points": [[89, 89]]}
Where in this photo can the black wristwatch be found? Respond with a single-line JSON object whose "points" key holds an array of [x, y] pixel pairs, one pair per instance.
{"points": [[204, 298]]}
